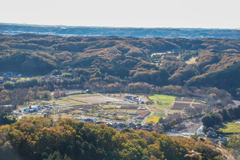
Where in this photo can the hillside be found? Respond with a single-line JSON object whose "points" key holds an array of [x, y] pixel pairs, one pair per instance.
{"points": [[107, 60], [35, 138]]}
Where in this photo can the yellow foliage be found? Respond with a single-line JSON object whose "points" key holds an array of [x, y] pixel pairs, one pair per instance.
{"points": [[150, 120]]}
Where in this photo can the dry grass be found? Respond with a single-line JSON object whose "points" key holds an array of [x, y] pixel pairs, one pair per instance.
{"points": [[192, 60]]}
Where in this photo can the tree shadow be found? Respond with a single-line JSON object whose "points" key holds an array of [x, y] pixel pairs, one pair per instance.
{"points": [[222, 126]]}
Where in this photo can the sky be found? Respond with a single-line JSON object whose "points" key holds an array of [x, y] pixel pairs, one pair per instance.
{"points": [[124, 13]]}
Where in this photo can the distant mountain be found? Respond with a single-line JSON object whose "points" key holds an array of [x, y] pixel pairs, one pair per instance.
{"points": [[191, 33]]}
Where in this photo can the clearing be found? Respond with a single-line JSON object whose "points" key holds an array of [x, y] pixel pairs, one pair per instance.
{"points": [[162, 101], [191, 60], [84, 98], [230, 127]]}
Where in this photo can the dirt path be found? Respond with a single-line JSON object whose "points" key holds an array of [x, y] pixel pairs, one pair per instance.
{"points": [[224, 151], [143, 122]]}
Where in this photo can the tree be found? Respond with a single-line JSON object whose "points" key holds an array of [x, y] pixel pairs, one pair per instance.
{"points": [[160, 120]]}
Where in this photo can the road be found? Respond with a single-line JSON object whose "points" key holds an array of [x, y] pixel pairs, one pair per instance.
{"points": [[143, 122]]}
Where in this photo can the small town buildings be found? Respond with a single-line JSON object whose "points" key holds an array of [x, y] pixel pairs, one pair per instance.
{"points": [[34, 108], [99, 122], [88, 91], [131, 124], [115, 125], [143, 115], [109, 124], [141, 108], [149, 124], [128, 96], [139, 126], [135, 113], [211, 134], [89, 120], [121, 125]]}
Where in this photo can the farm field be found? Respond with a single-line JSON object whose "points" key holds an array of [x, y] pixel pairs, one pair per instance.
{"points": [[83, 98], [155, 117], [184, 104], [102, 107], [165, 99], [158, 115], [230, 127], [102, 110], [180, 106]]}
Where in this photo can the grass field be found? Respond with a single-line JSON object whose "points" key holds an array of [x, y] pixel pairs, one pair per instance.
{"points": [[230, 128], [158, 115], [166, 100]]}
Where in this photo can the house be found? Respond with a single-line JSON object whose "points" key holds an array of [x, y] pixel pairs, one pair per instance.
{"points": [[130, 124], [222, 139], [109, 124], [133, 113], [88, 91], [141, 108], [139, 126], [143, 115], [99, 122], [89, 120], [134, 98], [34, 108], [31, 110], [149, 124], [211, 134], [128, 96], [114, 125], [121, 126]]}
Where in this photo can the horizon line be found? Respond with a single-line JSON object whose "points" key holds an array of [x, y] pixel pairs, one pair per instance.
{"points": [[61, 25]]}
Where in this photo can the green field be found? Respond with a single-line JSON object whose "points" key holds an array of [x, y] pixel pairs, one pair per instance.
{"points": [[230, 128], [166, 100], [158, 115]]}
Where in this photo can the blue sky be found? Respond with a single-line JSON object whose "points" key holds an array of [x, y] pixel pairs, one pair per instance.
{"points": [[124, 13]]}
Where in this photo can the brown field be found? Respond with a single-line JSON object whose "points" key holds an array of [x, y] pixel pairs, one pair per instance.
{"points": [[155, 109], [187, 105], [180, 106], [96, 99]]}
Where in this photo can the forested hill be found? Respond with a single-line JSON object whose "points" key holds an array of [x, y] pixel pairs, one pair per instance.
{"points": [[67, 139], [117, 61], [121, 32]]}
